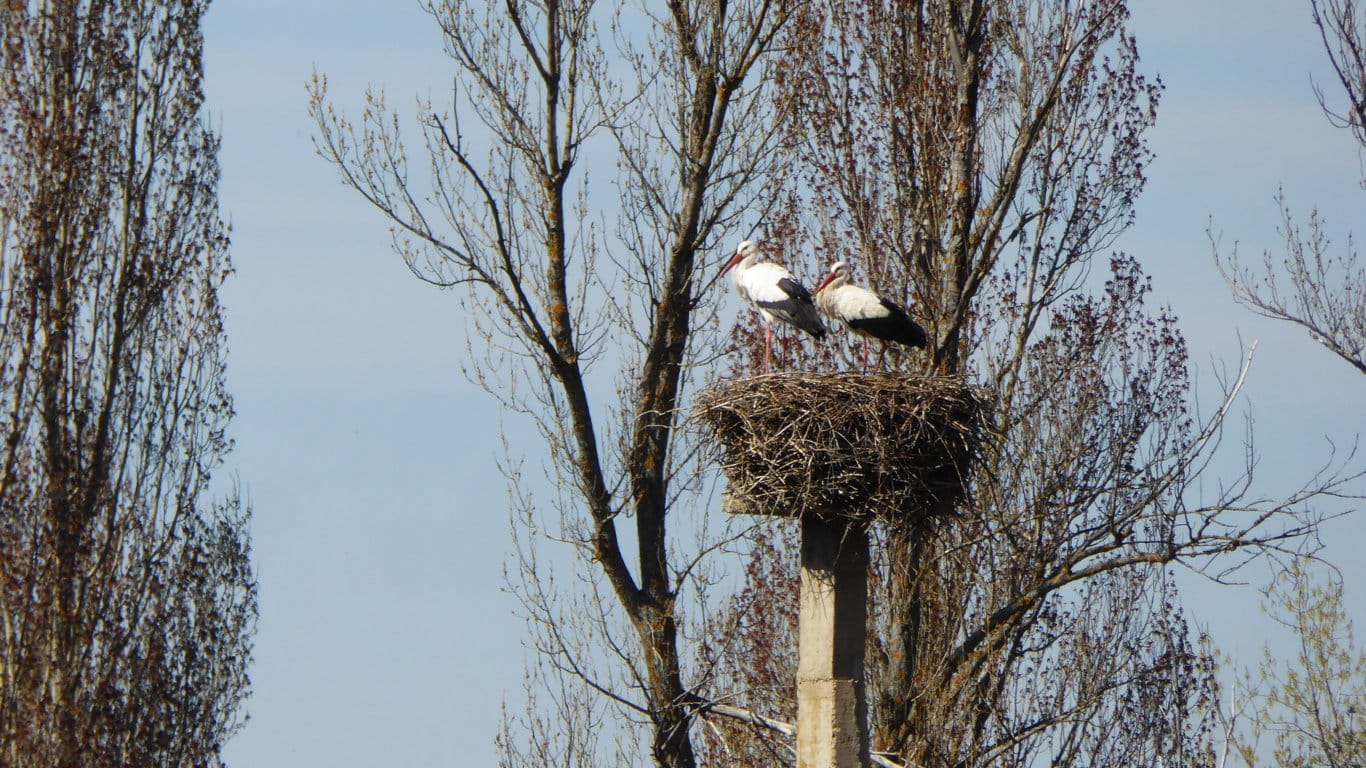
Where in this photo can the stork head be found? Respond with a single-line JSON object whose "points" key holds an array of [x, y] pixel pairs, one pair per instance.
{"points": [[838, 271], [745, 250]]}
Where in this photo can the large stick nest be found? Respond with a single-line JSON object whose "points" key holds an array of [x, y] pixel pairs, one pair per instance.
{"points": [[889, 446]]}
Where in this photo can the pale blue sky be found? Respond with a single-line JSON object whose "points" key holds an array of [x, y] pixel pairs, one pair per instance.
{"points": [[380, 530]]}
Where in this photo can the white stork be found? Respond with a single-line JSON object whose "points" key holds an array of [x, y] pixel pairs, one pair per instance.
{"points": [[774, 292], [866, 313]]}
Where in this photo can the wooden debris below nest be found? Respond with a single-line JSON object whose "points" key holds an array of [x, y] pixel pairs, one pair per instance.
{"points": [[891, 446]]}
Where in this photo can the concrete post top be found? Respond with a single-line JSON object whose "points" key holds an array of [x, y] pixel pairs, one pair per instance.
{"points": [[860, 445]]}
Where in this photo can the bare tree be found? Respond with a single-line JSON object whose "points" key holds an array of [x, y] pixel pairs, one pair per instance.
{"points": [[979, 160], [127, 602], [1313, 284], [510, 212]]}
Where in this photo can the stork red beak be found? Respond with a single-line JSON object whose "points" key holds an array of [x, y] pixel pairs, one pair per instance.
{"points": [[828, 277], [736, 259]]}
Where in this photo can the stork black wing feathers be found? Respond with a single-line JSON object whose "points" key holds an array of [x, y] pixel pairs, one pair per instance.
{"points": [[798, 308], [795, 290], [894, 325]]}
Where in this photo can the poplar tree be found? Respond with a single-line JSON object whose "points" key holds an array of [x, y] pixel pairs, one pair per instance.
{"points": [[127, 601]]}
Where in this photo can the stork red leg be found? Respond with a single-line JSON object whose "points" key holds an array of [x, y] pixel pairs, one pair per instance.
{"points": [[768, 347]]}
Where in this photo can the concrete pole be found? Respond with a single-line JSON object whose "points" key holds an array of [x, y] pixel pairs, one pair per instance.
{"points": [[832, 710]]}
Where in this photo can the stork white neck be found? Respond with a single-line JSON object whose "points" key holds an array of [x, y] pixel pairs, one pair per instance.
{"points": [[740, 264]]}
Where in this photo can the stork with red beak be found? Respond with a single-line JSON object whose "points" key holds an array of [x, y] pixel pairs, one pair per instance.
{"points": [[866, 313], [774, 292]]}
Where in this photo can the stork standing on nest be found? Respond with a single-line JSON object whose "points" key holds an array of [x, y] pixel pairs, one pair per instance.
{"points": [[774, 292], [865, 313]]}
